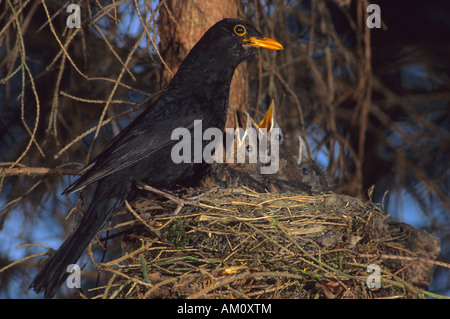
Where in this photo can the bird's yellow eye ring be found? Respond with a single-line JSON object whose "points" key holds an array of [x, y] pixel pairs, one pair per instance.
{"points": [[240, 30]]}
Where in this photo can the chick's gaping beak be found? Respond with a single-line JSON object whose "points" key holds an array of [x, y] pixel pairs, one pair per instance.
{"points": [[268, 121], [264, 42]]}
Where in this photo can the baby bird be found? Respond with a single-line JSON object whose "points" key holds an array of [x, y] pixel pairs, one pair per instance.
{"points": [[304, 168], [268, 165], [312, 173]]}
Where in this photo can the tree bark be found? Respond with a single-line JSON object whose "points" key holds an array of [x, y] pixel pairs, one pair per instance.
{"points": [[181, 24]]}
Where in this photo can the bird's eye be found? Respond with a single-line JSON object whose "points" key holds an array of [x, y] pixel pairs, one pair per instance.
{"points": [[239, 30], [305, 171]]}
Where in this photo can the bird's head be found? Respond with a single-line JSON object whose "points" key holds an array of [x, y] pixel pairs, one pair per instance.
{"points": [[234, 40]]}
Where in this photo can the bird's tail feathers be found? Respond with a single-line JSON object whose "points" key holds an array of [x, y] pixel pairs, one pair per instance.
{"points": [[50, 278]]}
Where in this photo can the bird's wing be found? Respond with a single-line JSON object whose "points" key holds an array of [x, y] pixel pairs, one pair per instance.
{"points": [[133, 144]]}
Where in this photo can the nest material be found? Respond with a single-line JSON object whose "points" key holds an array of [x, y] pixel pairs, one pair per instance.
{"points": [[235, 243]]}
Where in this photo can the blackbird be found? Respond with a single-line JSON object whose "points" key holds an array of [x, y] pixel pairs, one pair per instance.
{"points": [[142, 152]]}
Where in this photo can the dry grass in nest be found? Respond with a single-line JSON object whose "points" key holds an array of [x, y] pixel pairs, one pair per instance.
{"points": [[235, 243]]}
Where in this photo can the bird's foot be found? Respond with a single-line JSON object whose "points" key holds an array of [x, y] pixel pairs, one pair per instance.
{"points": [[193, 198], [179, 201]]}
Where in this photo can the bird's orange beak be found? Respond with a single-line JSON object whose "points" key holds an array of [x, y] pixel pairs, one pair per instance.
{"points": [[268, 121], [264, 43]]}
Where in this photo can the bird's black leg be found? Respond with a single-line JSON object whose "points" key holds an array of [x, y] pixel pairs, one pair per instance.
{"points": [[180, 202]]}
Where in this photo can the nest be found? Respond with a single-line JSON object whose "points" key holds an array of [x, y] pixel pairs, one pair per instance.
{"points": [[235, 243]]}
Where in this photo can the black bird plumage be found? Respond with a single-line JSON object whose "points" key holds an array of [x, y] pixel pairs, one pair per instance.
{"points": [[142, 151]]}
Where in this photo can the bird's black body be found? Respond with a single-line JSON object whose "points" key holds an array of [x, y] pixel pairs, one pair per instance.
{"points": [[142, 151]]}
